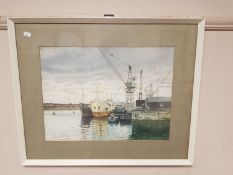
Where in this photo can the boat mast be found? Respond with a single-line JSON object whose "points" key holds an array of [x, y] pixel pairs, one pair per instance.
{"points": [[140, 90], [97, 90], [82, 96]]}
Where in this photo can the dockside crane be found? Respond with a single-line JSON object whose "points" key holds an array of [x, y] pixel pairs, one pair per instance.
{"points": [[129, 84], [130, 87]]}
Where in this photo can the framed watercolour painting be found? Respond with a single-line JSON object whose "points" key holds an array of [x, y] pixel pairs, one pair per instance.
{"points": [[106, 91]]}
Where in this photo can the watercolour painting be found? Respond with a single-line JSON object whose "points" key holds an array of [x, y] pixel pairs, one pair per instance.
{"points": [[107, 93]]}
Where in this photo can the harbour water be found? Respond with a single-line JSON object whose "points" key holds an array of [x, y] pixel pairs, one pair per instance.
{"points": [[69, 125]]}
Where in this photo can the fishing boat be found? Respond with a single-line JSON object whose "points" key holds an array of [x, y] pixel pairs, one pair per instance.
{"points": [[121, 113], [113, 119], [101, 108]]}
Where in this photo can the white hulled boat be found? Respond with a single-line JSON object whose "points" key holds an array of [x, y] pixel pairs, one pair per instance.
{"points": [[101, 108]]}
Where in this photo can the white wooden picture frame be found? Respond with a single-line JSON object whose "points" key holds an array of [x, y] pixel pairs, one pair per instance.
{"points": [[105, 162]]}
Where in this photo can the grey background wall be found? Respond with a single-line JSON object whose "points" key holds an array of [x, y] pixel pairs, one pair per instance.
{"points": [[214, 144]]}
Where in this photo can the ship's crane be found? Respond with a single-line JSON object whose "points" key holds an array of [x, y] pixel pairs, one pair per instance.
{"points": [[130, 85]]}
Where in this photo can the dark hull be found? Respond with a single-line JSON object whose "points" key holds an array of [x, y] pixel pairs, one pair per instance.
{"points": [[86, 110]]}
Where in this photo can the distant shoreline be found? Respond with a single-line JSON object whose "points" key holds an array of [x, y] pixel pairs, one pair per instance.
{"points": [[59, 106]]}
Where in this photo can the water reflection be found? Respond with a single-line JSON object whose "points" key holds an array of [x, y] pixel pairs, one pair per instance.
{"points": [[85, 125], [100, 128], [70, 125]]}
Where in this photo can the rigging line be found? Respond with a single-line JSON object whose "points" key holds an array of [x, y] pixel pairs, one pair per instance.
{"points": [[113, 56], [116, 58], [122, 62], [112, 66], [162, 81], [118, 91]]}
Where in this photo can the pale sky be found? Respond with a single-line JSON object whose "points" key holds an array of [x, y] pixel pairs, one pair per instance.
{"points": [[68, 70]]}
